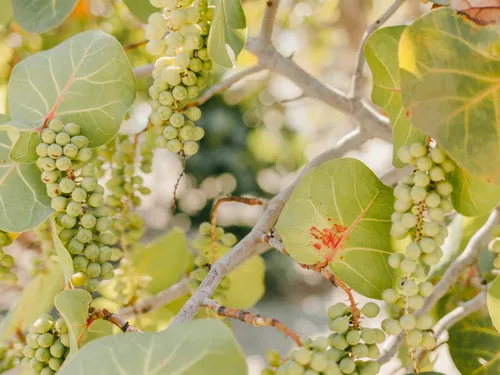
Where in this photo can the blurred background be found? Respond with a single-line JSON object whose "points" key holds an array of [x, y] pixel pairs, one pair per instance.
{"points": [[258, 135]]}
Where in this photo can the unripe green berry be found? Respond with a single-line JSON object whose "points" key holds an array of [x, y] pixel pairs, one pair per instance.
{"points": [[337, 341], [390, 296], [368, 335], [56, 125], [418, 150], [339, 325], [347, 365], [353, 337], [78, 279], [421, 179], [370, 310], [46, 339], [391, 326], [91, 284]]}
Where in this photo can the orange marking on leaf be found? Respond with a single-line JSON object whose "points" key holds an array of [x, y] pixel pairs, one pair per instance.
{"points": [[408, 113]]}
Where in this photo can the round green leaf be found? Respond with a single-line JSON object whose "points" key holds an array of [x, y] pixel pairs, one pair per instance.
{"points": [[474, 344], [471, 196], [87, 80], [200, 347], [24, 203], [37, 299], [381, 53], [228, 33], [165, 259], [450, 84], [494, 302], [65, 260], [141, 9], [37, 16], [343, 204], [73, 305]]}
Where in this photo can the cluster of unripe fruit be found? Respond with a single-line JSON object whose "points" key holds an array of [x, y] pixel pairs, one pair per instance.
{"points": [[206, 256], [78, 198], [47, 346], [6, 260], [182, 29], [422, 201], [349, 350], [125, 188]]}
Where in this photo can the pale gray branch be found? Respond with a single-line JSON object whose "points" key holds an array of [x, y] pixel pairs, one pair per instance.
{"points": [[449, 278], [143, 71], [224, 85], [267, 26], [461, 312], [156, 301], [367, 117], [453, 317], [357, 80]]}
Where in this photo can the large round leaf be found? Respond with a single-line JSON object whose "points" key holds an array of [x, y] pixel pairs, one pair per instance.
{"points": [[24, 203], [87, 80], [37, 16], [472, 196], [450, 80], [342, 208], [474, 345], [494, 302], [200, 347], [381, 53]]}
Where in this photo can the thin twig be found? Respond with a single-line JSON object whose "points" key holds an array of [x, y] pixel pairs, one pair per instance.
{"points": [[158, 300], [213, 219], [268, 20], [449, 278], [336, 281], [112, 318], [176, 186], [368, 119], [224, 85], [249, 318], [128, 47], [357, 79]]}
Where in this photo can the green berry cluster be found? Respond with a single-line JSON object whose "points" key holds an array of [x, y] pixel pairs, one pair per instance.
{"points": [[203, 244], [494, 245], [198, 274], [47, 346], [78, 198], [181, 74], [6, 261], [349, 350], [146, 150], [129, 286], [125, 188], [11, 354], [422, 201]]}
